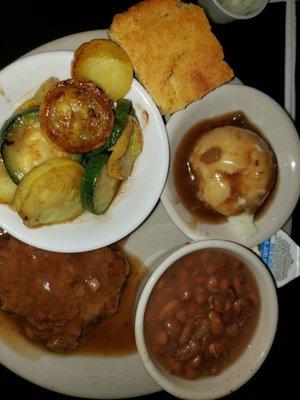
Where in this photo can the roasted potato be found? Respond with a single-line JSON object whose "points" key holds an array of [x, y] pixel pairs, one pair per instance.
{"points": [[76, 116], [106, 64]]}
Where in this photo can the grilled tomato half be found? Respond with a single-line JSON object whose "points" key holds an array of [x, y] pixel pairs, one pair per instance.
{"points": [[76, 116]]}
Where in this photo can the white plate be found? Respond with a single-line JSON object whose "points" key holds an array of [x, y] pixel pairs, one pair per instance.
{"points": [[278, 130], [141, 190], [96, 377]]}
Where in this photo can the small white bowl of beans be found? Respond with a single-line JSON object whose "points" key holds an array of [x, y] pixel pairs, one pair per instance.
{"points": [[206, 319]]}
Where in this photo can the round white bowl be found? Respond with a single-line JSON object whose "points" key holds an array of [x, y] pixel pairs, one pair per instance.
{"points": [[138, 196], [242, 369], [222, 15], [279, 131]]}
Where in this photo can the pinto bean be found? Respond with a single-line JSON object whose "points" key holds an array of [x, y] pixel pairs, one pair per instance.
{"points": [[169, 309], [241, 320], [218, 303], [161, 338], [175, 367], [216, 324], [217, 347], [201, 295], [212, 283], [227, 316], [202, 329], [192, 309], [187, 332], [238, 287], [201, 280], [188, 350], [186, 294], [212, 269], [231, 294], [224, 283], [195, 362], [173, 328], [232, 330], [181, 315], [238, 305]]}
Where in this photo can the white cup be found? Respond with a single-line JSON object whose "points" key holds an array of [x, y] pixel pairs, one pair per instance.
{"points": [[219, 14]]}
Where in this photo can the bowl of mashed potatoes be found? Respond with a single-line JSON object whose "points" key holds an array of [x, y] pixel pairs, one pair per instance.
{"points": [[224, 11], [235, 166]]}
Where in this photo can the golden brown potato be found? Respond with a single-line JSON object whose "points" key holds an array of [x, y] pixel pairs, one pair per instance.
{"points": [[54, 197], [106, 64]]}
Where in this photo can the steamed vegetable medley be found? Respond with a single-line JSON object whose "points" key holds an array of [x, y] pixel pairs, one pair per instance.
{"points": [[71, 146]]}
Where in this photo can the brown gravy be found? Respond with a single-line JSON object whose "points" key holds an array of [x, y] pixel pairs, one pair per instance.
{"points": [[114, 335], [185, 184]]}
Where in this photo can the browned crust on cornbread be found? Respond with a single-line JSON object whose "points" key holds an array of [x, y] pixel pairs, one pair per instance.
{"points": [[173, 51]]}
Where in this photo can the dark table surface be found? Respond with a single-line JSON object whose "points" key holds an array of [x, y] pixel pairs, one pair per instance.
{"points": [[255, 50]]}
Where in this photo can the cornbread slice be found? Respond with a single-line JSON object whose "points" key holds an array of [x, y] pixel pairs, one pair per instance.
{"points": [[173, 51]]}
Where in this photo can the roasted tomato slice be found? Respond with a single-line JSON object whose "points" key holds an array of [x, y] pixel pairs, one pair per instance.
{"points": [[76, 116]]}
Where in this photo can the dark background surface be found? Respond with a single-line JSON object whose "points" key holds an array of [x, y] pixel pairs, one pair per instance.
{"points": [[255, 50]]}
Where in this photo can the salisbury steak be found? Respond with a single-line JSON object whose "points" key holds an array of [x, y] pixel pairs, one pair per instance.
{"points": [[59, 295]]}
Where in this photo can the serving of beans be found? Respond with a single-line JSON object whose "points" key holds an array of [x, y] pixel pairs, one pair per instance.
{"points": [[201, 313]]}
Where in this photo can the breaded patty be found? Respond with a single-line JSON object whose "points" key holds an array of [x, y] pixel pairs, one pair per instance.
{"points": [[58, 295], [173, 51]]}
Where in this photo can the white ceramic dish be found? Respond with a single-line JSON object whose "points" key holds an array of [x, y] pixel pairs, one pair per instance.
{"points": [[138, 196], [221, 15], [249, 361], [278, 130]]}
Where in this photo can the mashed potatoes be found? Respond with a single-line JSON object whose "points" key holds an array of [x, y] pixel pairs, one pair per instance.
{"points": [[234, 168], [241, 7]]}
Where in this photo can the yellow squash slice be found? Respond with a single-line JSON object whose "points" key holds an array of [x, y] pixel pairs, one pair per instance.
{"points": [[7, 186], [25, 185], [126, 150], [54, 196]]}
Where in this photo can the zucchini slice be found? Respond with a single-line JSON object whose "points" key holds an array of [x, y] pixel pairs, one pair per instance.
{"points": [[126, 150], [24, 146], [98, 189], [7, 186], [54, 196], [122, 109]]}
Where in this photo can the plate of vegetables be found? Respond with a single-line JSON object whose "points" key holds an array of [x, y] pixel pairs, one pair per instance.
{"points": [[84, 151]]}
